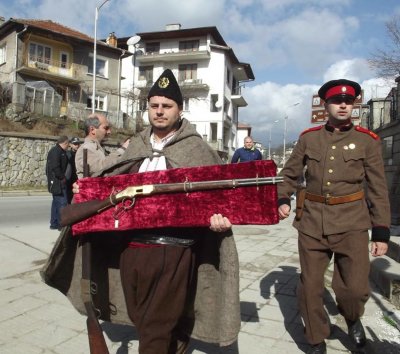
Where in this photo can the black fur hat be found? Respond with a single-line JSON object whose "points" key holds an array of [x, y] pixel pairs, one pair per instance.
{"points": [[167, 86]]}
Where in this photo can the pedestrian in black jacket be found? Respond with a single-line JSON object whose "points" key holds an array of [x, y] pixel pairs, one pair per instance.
{"points": [[56, 167], [70, 173]]}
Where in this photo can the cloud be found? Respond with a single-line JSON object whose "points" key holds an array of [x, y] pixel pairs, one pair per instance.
{"points": [[270, 101]]}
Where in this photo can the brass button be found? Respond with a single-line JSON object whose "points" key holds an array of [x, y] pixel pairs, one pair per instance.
{"points": [[333, 147], [328, 183], [332, 158], [330, 170]]}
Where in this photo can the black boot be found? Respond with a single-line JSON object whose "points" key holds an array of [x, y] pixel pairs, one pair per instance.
{"points": [[317, 348], [356, 333]]}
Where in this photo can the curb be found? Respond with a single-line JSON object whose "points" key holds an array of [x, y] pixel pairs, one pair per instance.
{"points": [[17, 193]]}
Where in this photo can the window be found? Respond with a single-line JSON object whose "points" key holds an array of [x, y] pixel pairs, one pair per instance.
{"points": [[186, 104], [143, 104], [152, 47], [213, 102], [189, 46], [214, 131], [146, 73], [187, 72], [387, 147], [228, 76], [39, 53], [2, 54], [100, 103], [64, 60], [101, 66]]}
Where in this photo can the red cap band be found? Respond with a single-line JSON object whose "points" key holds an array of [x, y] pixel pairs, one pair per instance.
{"points": [[340, 90]]}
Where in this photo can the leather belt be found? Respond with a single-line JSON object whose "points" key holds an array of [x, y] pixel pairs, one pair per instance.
{"points": [[331, 200], [163, 240]]}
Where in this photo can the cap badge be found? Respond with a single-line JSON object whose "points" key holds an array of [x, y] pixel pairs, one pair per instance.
{"points": [[352, 146], [163, 82], [344, 89]]}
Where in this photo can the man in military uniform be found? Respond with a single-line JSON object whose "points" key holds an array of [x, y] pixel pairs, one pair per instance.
{"points": [[346, 194]]}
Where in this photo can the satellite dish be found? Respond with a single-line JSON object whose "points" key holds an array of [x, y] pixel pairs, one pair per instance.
{"points": [[133, 40], [218, 104]]}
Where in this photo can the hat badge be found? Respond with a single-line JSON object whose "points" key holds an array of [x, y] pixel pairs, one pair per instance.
{"points": [[344, 89], [163, 82]]}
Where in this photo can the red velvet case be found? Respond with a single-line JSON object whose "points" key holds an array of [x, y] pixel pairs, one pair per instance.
{"points": [[243, 205]]}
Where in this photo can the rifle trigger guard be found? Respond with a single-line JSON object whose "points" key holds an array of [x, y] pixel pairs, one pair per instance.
{"points": [[128, 206]]}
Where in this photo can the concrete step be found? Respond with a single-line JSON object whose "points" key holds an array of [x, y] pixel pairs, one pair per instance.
{"points": [[394, 248], [385, 272]]}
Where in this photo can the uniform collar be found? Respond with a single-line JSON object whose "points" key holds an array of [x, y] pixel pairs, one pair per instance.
{"points": [[343, 128]]}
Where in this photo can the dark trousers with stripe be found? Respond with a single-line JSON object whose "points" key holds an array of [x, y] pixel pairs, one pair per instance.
{"points": [[350, 279], [156, 283]]}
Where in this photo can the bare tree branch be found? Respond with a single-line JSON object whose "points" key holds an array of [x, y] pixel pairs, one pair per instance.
{"points": [[387, 61]]}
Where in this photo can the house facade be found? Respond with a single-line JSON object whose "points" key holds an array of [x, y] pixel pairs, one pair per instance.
{"points": [[207, 70], [49, 68], [384, 119]]}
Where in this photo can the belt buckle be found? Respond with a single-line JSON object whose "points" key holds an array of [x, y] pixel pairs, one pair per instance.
{"points": [[327, 199]]}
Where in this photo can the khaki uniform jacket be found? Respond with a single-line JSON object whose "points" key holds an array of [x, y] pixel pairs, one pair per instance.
{"points": [[339, 163], [97, 157]]}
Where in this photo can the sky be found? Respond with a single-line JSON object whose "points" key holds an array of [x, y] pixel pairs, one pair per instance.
{"points": [[293, 46]]}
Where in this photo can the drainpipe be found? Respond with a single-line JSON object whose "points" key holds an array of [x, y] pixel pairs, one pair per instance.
{"points": [[119, 82], [16, 49]]}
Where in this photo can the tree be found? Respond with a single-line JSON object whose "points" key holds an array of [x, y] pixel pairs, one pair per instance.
{"points": [[387, 61]]}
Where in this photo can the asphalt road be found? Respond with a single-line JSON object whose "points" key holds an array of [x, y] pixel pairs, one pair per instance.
{"points": [[16, 212], [24, 233]]}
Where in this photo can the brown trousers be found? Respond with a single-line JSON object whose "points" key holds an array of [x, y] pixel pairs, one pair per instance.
{"points": [[156, 283], [350, 279]]}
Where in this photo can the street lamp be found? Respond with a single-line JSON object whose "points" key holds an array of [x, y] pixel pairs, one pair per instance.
{"points": [[269, 141], [96, 15], [132, 46], [284, 133]]}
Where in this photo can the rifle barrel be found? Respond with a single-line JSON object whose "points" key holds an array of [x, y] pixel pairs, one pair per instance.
{"points": [[209, 185]]}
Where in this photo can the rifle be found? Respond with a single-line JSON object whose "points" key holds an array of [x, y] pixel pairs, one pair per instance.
{"points": [[97, 343], [75, 213]]}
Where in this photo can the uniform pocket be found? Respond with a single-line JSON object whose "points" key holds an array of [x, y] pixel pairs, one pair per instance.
{"points": [[313, 154], [353, 155]]}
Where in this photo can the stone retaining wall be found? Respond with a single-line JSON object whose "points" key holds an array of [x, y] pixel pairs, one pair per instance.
{"points": [[23, 159]]}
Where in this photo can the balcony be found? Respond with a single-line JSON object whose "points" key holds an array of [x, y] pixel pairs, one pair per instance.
{"points": [[190, 84], [237, 97], [47, 69], [170, 55]]}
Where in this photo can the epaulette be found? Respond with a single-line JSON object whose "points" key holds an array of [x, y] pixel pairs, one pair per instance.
{"points": [[311, 129], [366, 131]]}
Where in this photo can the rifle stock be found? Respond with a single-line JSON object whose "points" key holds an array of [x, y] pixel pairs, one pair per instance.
{"points": [[77, 212], [97, 343], [73, 213]]}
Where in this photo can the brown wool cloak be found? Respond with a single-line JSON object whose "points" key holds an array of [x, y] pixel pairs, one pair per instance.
{"points": [[213, 312]]}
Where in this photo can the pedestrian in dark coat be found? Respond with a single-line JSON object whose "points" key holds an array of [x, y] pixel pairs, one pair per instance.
{"points": [[346, 194], [56, 167], [247, 153]]}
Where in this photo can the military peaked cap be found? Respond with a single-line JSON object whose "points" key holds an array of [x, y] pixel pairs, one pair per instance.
{"points": [[340, 87]]}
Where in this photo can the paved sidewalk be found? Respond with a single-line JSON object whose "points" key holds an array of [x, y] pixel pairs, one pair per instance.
{"points": [[35, 318]]}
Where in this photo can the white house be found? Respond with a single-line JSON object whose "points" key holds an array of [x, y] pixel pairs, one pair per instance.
{"points": [[207, 69]]}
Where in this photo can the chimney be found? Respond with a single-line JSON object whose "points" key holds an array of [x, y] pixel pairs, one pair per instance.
{"points": [[112, 40], [173, 27]]}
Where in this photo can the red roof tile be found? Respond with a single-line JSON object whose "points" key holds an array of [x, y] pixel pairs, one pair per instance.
{"points": [[54, 27]]}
